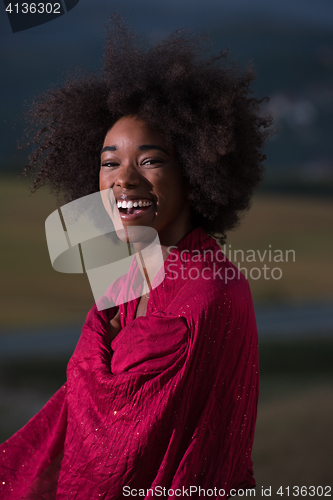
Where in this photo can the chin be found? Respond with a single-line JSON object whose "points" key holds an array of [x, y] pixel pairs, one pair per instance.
{"points": [[139, 236]]}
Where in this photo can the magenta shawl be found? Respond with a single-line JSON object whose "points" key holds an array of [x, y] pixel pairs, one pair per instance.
{"points": [[173, 407]]}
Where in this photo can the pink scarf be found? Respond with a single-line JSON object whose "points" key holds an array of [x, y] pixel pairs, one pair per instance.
{"points": [[172, 410]]}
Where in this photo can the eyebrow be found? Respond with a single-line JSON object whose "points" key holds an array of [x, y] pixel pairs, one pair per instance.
{"points": [[144, 147]]}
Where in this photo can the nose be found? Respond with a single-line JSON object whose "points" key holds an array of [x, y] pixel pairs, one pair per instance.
{"points": [[127, 176]]}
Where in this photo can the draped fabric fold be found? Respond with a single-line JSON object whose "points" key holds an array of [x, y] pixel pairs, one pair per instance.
{"points": [[171, 405]]}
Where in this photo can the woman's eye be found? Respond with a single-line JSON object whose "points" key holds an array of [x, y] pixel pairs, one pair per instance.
{"points": [[109, 164], [153, 162]]}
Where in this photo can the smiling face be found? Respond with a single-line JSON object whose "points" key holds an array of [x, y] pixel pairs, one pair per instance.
{"points": [[147, 183]]}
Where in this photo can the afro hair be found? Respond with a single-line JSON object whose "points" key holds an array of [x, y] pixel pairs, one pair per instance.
{"points": [[203, 106]]}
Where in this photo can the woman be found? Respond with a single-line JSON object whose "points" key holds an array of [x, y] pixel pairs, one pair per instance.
{"points": [[162, 390]]}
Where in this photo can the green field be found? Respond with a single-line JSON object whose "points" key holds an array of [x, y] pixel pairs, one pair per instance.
{"points": [[34, 294]]}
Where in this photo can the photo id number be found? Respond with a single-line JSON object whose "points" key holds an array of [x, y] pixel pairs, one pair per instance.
{"points": [[34, 8], [303, 491]]}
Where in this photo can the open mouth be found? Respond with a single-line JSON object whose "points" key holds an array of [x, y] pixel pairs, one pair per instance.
{"points": [[133, 207]]}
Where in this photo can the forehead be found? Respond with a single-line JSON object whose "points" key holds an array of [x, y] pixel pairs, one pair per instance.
{"points": [[134, 130]]}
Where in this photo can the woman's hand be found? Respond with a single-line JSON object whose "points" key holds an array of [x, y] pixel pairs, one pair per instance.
{"points": [[114, 326]]}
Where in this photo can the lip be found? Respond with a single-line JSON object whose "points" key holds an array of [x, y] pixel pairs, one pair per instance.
{"points": [[135, 216], [129, 197]]}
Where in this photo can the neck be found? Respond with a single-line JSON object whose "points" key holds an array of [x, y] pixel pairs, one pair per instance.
{"points": [[149, 258]]}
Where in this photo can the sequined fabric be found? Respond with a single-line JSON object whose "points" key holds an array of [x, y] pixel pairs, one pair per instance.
{"points": [[172, 404]]}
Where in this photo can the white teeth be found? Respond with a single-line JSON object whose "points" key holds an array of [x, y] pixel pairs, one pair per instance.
{"points": [[135, 204]]}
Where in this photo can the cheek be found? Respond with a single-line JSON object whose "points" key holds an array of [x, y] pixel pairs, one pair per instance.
{"points": [[104, 180], [172, 199], [175, 191], [168, 184]]}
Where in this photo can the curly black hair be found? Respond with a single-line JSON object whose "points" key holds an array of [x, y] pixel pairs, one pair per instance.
{"points": [[202, 105]]}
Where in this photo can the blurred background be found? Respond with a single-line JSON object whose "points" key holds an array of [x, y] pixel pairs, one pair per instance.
{"points": [[284, 244]]}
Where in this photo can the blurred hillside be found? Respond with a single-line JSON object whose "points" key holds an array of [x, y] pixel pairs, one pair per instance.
{"points": [[284, 246]]}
